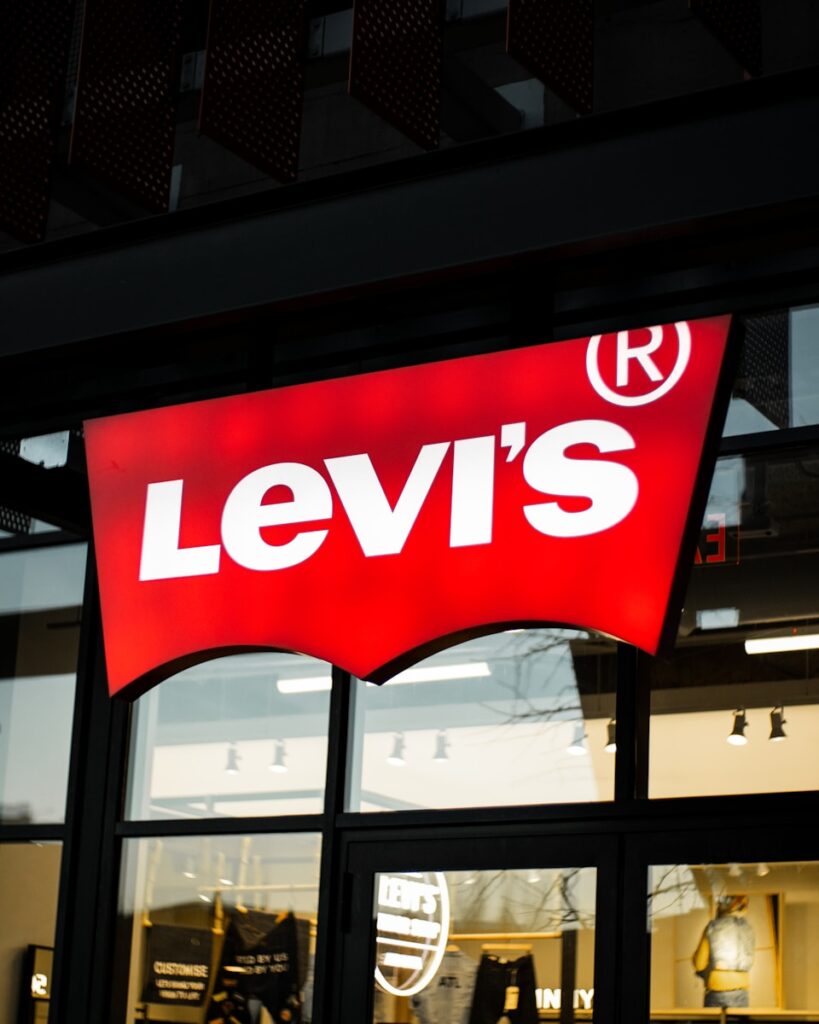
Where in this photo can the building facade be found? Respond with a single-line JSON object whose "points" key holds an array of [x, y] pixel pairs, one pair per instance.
{"points": [[536, 823]]}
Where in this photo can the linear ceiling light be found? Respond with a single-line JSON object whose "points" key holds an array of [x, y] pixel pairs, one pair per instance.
{"points": [[774, 644], [425, 674], [442, 673], [307, 684]]}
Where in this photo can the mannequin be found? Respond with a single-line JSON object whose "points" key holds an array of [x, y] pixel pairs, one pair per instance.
{"points": [[725, 954]]}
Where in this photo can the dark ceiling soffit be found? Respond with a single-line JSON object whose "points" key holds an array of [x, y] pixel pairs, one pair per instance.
{"points": [[253, 91], [58, 496], [594, 185], [737, 24], [736, 98], [555, 42]]}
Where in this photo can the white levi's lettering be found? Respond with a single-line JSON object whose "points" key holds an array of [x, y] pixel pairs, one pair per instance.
{"points": [[381, 529], [161, 557], [611, 487], [244, 515], [473, 486]]}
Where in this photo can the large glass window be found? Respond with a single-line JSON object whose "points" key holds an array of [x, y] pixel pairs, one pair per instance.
{"points": [[239, 737], [29, 882], [737, 710], [473, 947], [218, 928], [734, 938], [40, 603], [520, 717], [777, 385]]}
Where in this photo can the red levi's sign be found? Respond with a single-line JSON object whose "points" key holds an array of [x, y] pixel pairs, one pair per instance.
{"points": [[364, 520]]}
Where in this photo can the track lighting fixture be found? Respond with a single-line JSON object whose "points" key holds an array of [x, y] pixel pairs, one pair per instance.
{"points": [[441, 747], [232, 765], [278, 764], [578, 745], [396, 756], [777, 721], [737, 737]]}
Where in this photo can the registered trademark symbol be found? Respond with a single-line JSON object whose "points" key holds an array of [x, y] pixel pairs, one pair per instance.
{"points": [[630, 356]]}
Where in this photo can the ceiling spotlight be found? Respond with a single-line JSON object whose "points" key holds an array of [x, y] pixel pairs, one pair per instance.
{"points": [[441, 747], [224, 880], [578, 745], [611, 741], [396, 756], [203, 896], [777, 721], [533, 878], [737, 735], [734, 870], [189, 870], [762, 869], [278, 763], [232, 765]]}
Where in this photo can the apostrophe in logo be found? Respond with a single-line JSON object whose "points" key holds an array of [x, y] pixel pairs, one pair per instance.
{"points": [[630, 369], [412, 926]]}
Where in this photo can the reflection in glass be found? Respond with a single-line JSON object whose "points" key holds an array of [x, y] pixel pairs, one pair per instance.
{"points": [[40, 603], [29, 884], [737, 710], [239, 736], [467, 947], [777, 384], [734, 936], [514, 718], [215, 928]]}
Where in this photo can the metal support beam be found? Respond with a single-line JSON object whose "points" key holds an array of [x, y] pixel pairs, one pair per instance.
{"points": [[578, 187], [58, 496]]}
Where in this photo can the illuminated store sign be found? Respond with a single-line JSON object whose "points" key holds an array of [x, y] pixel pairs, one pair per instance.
{"points": [[366, 520], [412, 926]]}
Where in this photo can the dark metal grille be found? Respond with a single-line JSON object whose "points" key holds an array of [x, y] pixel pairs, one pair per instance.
{"points": [[764, 374], [13, 521], [33, 50], [738, 26], [126, 96], [554, 40], [395, 64], [254, 84]]}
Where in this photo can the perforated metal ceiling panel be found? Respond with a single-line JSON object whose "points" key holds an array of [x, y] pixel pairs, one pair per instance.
{"points": [[126, 96], [738, 26], [254, 84], [12, 521], [33, 51], [764, 373], [395, 64], [554, 40]]}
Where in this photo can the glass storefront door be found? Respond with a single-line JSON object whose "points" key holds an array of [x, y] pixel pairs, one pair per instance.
{"points": [[479, 930]]}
